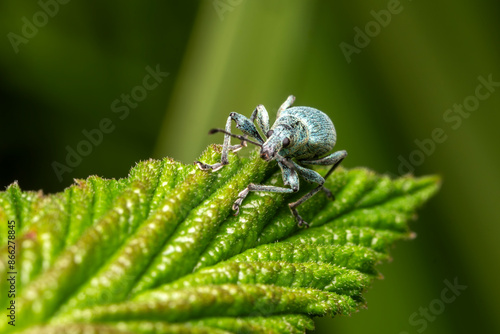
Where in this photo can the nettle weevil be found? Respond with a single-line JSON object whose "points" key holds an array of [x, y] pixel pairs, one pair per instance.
{"points": [[299, 136]]}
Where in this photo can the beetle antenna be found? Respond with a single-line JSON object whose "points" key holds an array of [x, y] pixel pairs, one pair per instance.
{"points": [[212, 131]]}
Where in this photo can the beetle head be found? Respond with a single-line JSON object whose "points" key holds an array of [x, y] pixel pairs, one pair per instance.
{"points": [[278, 138]]}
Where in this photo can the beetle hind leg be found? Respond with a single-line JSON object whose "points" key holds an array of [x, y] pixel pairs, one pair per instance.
{"points": [[333, 159], [312, 176]]}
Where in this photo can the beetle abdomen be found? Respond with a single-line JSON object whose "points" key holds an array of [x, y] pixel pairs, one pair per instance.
{"points": [[321, 132]]}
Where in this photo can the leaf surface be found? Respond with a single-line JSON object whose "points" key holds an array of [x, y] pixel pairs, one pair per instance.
{"points": [[162, 252]]}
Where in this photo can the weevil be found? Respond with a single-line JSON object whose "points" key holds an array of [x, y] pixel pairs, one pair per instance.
{"points": [[299, 136]]}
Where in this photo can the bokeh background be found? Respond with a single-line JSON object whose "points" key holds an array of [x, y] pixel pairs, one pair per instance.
{"points": [[65, 71]]}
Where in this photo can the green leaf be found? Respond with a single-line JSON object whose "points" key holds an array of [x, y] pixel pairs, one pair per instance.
{"points": [[162, 252]]}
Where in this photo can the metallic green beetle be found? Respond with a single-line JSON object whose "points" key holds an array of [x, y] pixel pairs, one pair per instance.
{"points": [[303, 134]]}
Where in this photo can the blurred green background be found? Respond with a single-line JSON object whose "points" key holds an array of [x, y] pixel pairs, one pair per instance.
{"points": [[387, 73]]}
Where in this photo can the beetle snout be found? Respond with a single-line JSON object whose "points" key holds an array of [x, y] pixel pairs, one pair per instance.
{"points": [[266, 154]]}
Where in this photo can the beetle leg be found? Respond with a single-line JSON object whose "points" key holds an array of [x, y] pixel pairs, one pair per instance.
{"points": [[236, 148], [290, 178], [246, 126], [287, 104], [225, 148], [257, 187], [312, 176], [260, 113], [331, 159]]}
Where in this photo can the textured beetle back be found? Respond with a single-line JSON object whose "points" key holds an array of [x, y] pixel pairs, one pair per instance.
{"points": [[322, 135]]}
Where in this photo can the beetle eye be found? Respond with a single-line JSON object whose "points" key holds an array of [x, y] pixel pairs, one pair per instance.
{"points": [[269, 133], [286, 142]]}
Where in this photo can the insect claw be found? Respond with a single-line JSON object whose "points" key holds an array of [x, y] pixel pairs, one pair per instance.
{"points": [[201, 165], [214, 167], [236, 207], [328, 193], [303, 223]]}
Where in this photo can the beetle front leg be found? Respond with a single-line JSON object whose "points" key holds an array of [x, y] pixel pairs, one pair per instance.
{"points": [[225, 148], [287, 104], [260, 113], [246, 126], [236, 148]]}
